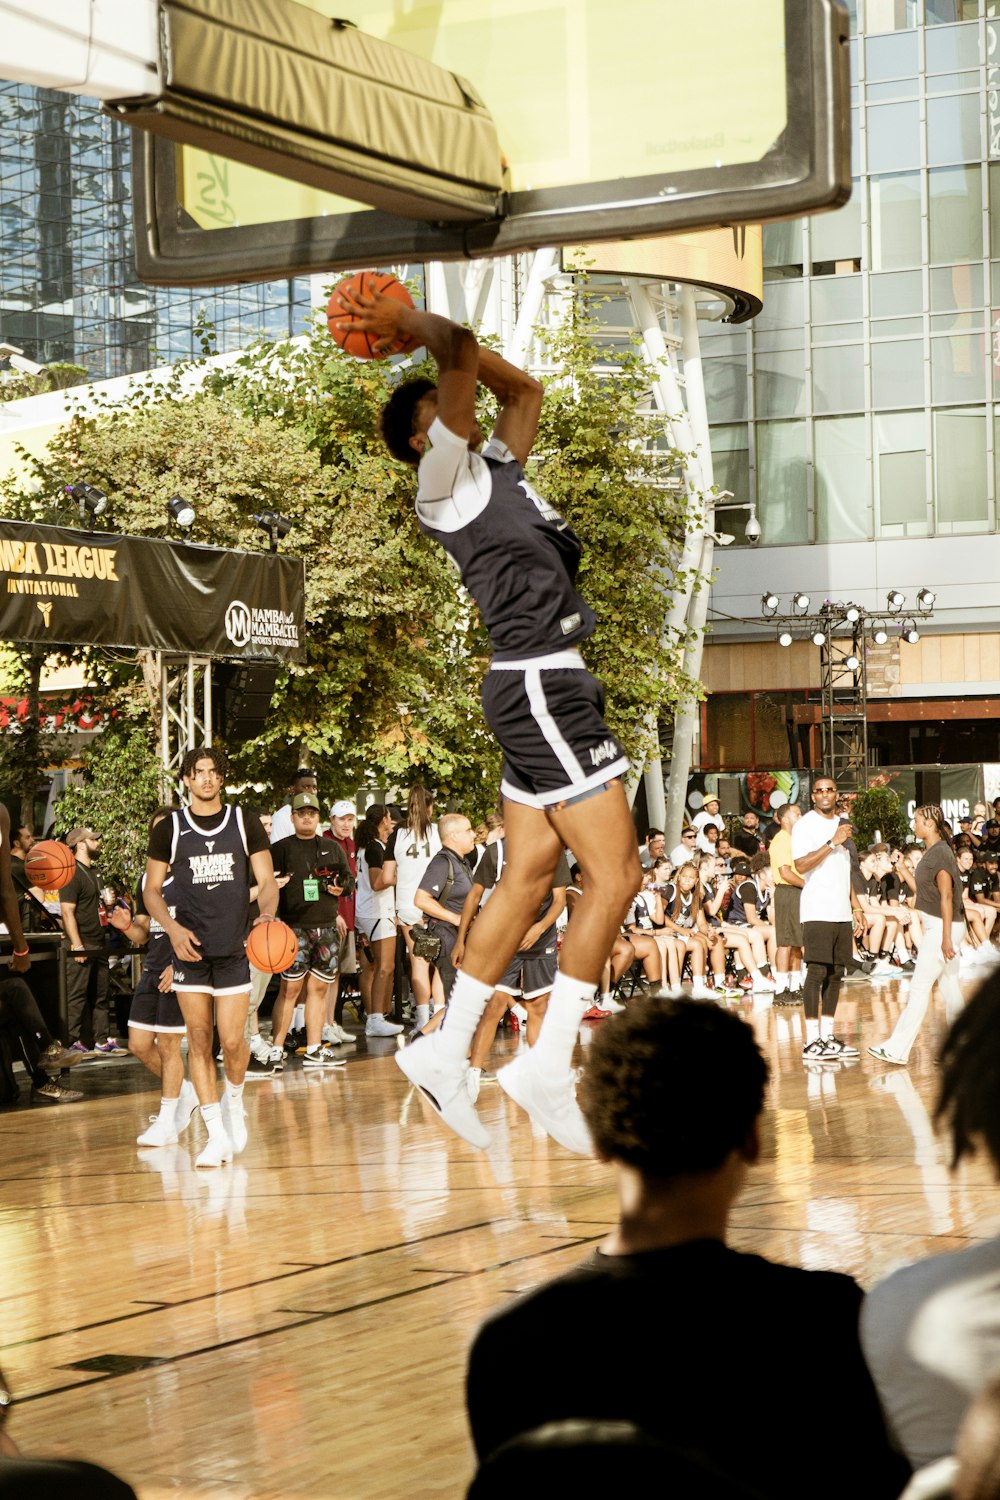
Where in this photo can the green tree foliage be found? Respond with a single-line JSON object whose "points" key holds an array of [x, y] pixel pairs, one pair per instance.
{"points": [[122, 786], [878, 812], [389, 689]]}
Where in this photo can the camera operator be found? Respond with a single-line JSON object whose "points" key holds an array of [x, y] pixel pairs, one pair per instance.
{"points": [[318, 875]]}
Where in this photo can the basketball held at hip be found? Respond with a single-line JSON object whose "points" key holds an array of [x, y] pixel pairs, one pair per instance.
{"points": [[358, 341]]}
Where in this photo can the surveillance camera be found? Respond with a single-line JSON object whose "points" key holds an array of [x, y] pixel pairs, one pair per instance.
{"points": [[752, 532]]}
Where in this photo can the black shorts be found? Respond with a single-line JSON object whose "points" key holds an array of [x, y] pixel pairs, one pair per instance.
{"points": [[787, 927], [217, 977], [547, 713], [531, 973], [153, 1011], [830, 943]]}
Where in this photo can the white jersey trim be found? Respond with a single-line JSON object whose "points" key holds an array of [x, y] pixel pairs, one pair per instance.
{"points": [[454, 484], [548, 662]]}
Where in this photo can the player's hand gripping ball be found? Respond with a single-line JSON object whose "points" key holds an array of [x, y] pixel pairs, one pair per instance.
{"points": [[271, 947], [352, 315]]}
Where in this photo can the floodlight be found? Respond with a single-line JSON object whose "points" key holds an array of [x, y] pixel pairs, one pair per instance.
{"points": [[92, 502], [852, 614], [925, 599], [182, 511], [769, 603], [800, 602], [852, 663], [909, 632], [784, 637], [880, 635], [819, 638], [894, 601], [276, 526]]}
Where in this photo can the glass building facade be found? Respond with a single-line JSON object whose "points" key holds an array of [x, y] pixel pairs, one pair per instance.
{"points": [[68, 289], [863, 402]]}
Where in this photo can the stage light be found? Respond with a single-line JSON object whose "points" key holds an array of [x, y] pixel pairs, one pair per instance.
{"points": [[852, 663], [819, 638], [276, 526], [880, 635], [784, 637], [92, 502], [769, 603], [800, 602], [925, 599], [909, 632], [894, 600], [852, 614], [182, 511]]}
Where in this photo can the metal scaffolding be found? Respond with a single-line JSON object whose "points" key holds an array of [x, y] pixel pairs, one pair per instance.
{"points": [[185, 681]]}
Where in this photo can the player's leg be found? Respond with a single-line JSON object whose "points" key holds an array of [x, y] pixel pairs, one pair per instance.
{"points": [[231, 1007], [197, 1010]]}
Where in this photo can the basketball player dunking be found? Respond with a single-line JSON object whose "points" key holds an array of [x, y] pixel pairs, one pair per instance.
{"points": [[561, 779], [211, 849]]}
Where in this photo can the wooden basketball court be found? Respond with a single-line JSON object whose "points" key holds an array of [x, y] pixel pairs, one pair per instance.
{"points": [[296, 1324]]}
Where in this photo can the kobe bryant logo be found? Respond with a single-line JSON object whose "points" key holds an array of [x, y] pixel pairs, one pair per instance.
{"points": [[238, 623]]}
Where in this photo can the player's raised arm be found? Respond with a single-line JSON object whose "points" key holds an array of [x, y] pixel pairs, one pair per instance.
{"points": [[520, 398]]}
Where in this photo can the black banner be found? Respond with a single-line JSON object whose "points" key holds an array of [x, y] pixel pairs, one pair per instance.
{"points": [[62, 587]]}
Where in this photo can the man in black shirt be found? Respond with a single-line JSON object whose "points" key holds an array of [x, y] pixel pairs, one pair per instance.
{"points": [[88, 976], [211, 849], [318, 874], [444, 886], [673, 1091], [747, 837]]}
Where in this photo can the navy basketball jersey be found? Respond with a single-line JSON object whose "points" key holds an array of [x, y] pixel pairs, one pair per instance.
{"points": [[211, 874], [158, 950], [516, 555]]}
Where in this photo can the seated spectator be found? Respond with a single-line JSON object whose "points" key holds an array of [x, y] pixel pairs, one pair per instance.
{"points": [[653, 848], [886, 926], [749, 912], [716, 896], [980, 915], [707, 841], [747, 838], [724, 850], [685, 850], [930, 1331], [673, 1093]]}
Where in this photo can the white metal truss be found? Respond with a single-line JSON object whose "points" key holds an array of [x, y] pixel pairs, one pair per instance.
{"points": [[185, 710]]}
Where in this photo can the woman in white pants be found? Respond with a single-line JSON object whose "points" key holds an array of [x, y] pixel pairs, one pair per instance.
{"points": [[939, 902]]}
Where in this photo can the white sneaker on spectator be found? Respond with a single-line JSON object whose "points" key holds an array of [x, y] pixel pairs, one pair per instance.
{"points": [[763, 984], [443, 1083], [381, 1026], [259, 1048], [608, 1002], [342, 1038], [548, 1102], [217, 1150], [702, 991], [187, 1103]]}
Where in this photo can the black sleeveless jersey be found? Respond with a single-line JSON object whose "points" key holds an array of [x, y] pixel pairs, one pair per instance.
{"points": [[518, 559], [211, 881], [158, 951]]}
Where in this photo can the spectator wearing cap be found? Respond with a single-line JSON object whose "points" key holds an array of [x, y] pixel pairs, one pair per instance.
{"points": [[88, 975], [343, 820], [304, 780], [990, 842], [709, 814], [966, 830]]}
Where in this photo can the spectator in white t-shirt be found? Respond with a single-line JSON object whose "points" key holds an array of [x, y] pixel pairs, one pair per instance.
{"points": [[709, 814], [684, 852], [830, 913]]}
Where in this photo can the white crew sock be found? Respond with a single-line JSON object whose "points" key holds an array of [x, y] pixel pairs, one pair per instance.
{"points": [[795, 980], [298, 1018], [234, 1094], [466, 1004], [780, 982], [825, 1027], [812, 1029], [168, 1109], [423, 1015], [212, 1115], [553, 1050]]}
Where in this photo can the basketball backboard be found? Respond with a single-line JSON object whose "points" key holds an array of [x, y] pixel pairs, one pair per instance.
{"points": [[620, 121]]}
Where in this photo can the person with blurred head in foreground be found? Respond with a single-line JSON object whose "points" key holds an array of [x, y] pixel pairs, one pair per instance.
{"points": [[673, 1092]]}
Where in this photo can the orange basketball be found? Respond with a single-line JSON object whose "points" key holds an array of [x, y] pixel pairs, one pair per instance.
{"points": [[351, 340], [271, 947], [49, 865]]}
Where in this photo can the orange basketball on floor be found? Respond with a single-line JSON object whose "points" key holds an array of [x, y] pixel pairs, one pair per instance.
{"points": [[50, 865], [271, 947], [352, 341]]}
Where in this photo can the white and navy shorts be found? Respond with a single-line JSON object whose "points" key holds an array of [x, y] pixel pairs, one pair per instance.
{"points": [[152, 1011], [547, 712], [217, 977]]}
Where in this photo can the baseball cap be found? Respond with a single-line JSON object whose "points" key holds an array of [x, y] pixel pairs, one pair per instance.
{"points": [[343, 809], [77, 836], [305, 799]]}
